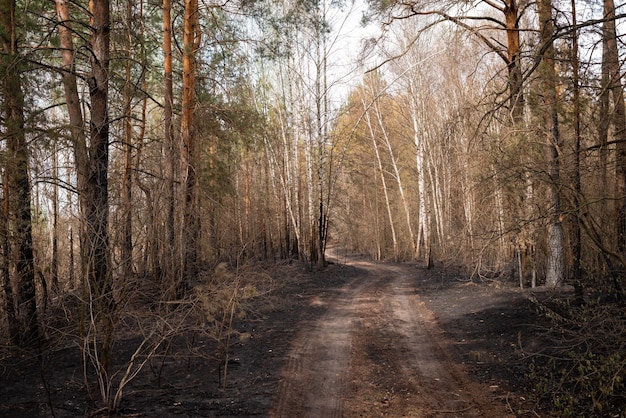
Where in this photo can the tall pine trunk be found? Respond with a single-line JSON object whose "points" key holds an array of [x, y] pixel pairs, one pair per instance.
{"points": [[611, 62], [127, 179], [576, 227], [191, 42], [96, 190], [514, 60], [77, 123], [17, 194]]}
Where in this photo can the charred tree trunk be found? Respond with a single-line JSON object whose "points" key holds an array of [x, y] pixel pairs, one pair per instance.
{"points": [[17, 178], [96, 190]]}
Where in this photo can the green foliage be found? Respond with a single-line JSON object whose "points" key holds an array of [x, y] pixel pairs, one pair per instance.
{"points": [[583, 371]]}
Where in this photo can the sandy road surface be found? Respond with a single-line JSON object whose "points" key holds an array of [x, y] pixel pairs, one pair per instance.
{"points": [[377, 351]]}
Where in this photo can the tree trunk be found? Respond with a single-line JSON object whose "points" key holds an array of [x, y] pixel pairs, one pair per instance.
{"points": [[423, 233], [576, 230], [54, 263], [171, 260], [191, 42], [514, 60], [96, 190], [17, 178], [127, 179], [612, 63], [396, 170], [77, 124], [9, 307], [381, 171], [555, 268]]}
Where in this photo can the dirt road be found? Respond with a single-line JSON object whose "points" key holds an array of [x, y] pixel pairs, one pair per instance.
{"points": [[377, 351], [358, 339]]}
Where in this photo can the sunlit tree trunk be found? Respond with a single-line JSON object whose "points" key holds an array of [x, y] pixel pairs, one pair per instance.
{"points": [[511, 19], [171, 270], [77, 124], [396, 170], [190, 233], [424, 233], [381, 172], [312, 227], [555, 267], [18, 192]]}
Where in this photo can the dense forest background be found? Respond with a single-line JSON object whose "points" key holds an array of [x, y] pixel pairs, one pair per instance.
{"points": [[143, 143]]}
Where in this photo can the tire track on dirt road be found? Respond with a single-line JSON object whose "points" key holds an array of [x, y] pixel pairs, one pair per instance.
{"points": [[312, 381], [377, 351]]}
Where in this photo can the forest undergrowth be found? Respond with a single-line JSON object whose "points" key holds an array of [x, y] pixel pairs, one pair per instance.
{"points": [[151, 333], [222, 345], [577, 365]]}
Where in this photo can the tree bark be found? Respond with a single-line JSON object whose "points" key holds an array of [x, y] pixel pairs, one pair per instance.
{"points": [[613, 73], [127, 179], [555, 263], [96, 190], [381, 171], [423, 233], [514, 60], [9, 307], [191, 42], [76, 125], [171, 161], [54, 263], [577, 186], [396, 170], [17, 177]]}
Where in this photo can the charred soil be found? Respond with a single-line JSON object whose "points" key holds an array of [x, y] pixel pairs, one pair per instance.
{"points": [[359, 339]]}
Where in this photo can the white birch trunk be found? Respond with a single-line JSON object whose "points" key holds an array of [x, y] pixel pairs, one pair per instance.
{"points": [[396, 171], [382, 180]]}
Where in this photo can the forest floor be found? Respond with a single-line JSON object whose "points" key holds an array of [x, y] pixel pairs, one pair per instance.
{"points": [[359, 339]]}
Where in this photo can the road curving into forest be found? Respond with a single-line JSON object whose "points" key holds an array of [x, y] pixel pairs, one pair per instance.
{"points": [[377, 351]]}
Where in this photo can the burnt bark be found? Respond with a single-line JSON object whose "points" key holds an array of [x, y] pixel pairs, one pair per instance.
{"points": [[17, 191]]}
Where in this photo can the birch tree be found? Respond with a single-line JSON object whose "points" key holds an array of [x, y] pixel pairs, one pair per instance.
{"points": [[383, 181]]}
